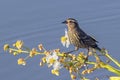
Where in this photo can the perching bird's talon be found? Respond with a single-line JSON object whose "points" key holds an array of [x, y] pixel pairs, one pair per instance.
{"points": [[85, 64]]}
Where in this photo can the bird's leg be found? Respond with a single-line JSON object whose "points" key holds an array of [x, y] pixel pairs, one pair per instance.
{"points": [[87, 53], [86, 59]]}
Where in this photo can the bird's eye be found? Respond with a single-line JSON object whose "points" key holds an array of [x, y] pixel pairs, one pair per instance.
{"points": [[71, 21]]}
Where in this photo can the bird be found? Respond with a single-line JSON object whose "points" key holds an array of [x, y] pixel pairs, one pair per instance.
{"points": [[78, 37]]}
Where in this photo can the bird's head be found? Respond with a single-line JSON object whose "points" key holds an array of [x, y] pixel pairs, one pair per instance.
{"points": [[71, 23]]}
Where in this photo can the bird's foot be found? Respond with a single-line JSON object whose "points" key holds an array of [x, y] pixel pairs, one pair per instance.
{"points": [[85, 64]]}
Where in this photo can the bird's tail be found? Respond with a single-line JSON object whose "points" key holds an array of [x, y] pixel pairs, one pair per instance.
{"points": [[102, 51], [99, 49]]}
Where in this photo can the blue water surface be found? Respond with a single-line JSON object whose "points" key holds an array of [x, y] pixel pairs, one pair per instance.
{"points": [[39, 21]]}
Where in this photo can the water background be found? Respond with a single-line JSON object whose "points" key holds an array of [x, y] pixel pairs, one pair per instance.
{"points": [[39, 21]]}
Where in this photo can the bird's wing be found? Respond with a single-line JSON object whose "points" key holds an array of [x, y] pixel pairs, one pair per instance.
{"points": [[86, 39], [89, 41], [93, 39]]}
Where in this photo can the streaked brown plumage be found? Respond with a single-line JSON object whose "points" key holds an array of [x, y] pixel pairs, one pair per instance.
{"points": [[78, 37]]}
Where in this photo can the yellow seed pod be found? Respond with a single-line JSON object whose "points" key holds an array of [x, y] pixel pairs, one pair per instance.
{"points": [[44, 59], [18, 44], [33, 52], [63, 39], [90, 53], [21, 61], [57, 50], [70, 70], [61, 60], [15, 53], [73, 77], [51, 60], [40, 46], [41, 63], [10, 51], [55, 72], [6, 47]]}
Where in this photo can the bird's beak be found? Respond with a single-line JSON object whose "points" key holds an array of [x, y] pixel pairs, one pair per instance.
{"points": [[64, 22]]}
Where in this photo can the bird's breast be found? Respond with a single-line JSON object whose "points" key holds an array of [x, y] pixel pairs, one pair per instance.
{"points": [[75, 39]]}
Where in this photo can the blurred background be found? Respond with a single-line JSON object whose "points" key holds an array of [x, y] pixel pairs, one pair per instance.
{"points": [[39, 21]]}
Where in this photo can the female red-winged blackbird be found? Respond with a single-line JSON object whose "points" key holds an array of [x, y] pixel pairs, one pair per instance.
{"points": [[78, 37]]}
